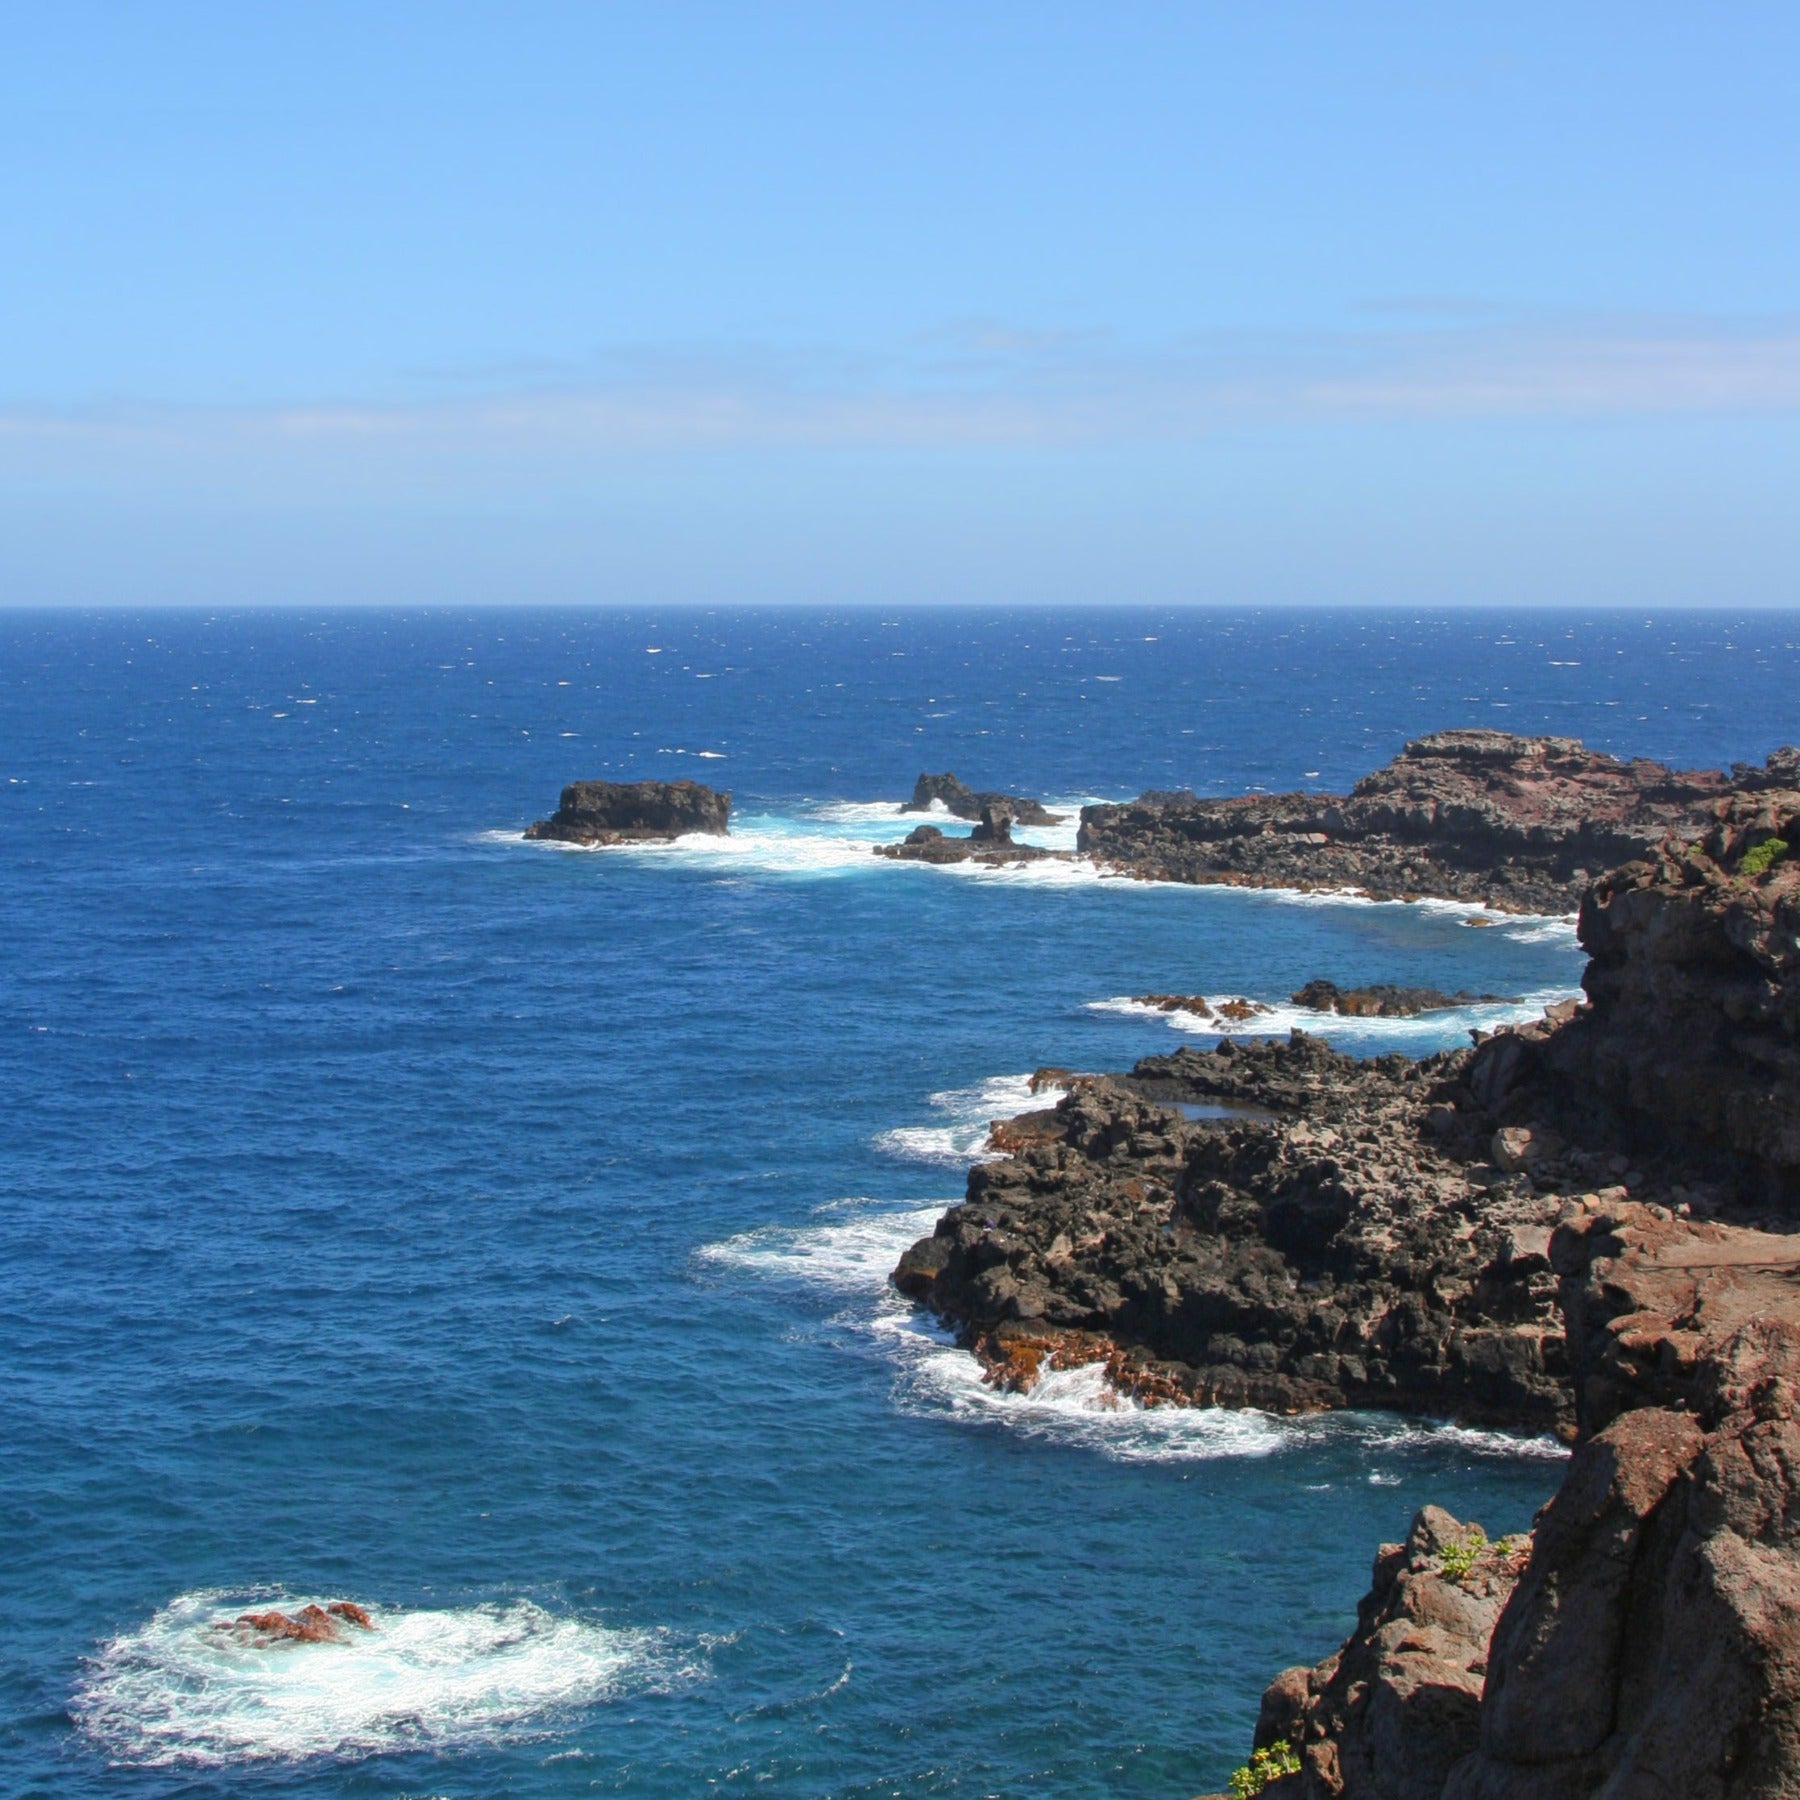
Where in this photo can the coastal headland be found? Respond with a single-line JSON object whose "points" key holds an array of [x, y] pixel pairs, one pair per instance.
{"points": [[1589, 1225], [1522, 824]]}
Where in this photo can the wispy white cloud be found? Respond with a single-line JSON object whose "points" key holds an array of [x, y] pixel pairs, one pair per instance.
{"points": [[982, 383]]}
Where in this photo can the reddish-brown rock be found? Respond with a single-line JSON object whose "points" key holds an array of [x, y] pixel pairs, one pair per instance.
{"points": [[1653, 1645], [1399, 1706], [312, 1624]]}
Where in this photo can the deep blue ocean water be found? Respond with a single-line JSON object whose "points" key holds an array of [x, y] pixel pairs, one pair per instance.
{"points": [[495, 1234]]}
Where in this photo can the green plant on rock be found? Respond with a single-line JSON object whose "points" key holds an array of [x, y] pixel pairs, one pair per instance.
{"points": [[1456, 1560], [1764, 857], [1263, 1767]]}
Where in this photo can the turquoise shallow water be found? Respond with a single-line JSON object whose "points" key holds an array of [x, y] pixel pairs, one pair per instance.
{"points": [[496, 1234]]}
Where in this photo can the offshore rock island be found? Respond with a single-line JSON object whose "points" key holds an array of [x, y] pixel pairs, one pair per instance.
{"points": [[994, 816], [961, 803], [634, 812], [1588, 1225]]}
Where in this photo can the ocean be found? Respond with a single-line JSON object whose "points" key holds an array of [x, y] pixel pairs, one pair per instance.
{"points": [[496, 1234]]}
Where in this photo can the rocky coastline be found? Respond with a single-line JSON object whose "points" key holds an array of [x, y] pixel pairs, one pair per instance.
{"points": [[634, 812], [1520, 824], [1588, 1225]]}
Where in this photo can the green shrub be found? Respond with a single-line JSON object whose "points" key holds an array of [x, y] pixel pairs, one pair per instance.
{"points": [[1764, 857], [1262, 1768], [1456, 1560]]}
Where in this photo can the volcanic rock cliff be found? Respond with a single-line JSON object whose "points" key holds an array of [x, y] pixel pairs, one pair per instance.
{"points": [[634, 812], [1644, 1641], [1522, 823], [1591, 1223]]}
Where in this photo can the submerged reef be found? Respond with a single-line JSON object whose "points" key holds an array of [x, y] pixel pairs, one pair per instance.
{"points": [[1589, 1224]]}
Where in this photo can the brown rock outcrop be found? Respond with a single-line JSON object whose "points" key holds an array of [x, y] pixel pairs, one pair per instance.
{"points": [[1399, 1707], [1692, 1037], [634, 812], [1652, 1646], [1650, 1643], [312, 1624], [1521, 823]]}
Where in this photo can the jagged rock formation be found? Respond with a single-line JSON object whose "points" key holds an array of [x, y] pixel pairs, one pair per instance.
{"points": [[1399, 1706], [990, 842], [312, 1624], [1234, 1010], [1382, 1000], [1520, 823], [1338, 1246], [961, 803], [634, 812], [1693, 1035]]}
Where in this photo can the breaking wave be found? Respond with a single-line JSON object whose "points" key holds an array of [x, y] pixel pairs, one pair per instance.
{"points": [[179, 1691], [1450, 1025], [838, 837], [959, 1136], [831, 838]]}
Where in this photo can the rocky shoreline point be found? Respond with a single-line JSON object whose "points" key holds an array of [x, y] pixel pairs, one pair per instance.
{"points": [[1588, 1225], [1521, 824], [634, 812]]}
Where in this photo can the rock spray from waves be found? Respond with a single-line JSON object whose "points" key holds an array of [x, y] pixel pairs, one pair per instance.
{"points": [[965, 1118], [178, 1691]]}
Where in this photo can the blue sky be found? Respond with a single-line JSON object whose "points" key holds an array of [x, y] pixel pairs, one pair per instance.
{"points": [[881, 303]]}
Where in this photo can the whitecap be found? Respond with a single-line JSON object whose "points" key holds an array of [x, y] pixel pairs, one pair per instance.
{"points": [[1283, 1016], [854, 1257], [179, 1691]]}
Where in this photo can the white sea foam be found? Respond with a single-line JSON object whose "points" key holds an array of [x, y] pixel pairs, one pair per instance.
{"points": [[179, 1691], [838, 837], [832, 838], [1284, 1016], [959, 1136], [1079, 1406], [856, 1256]]}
